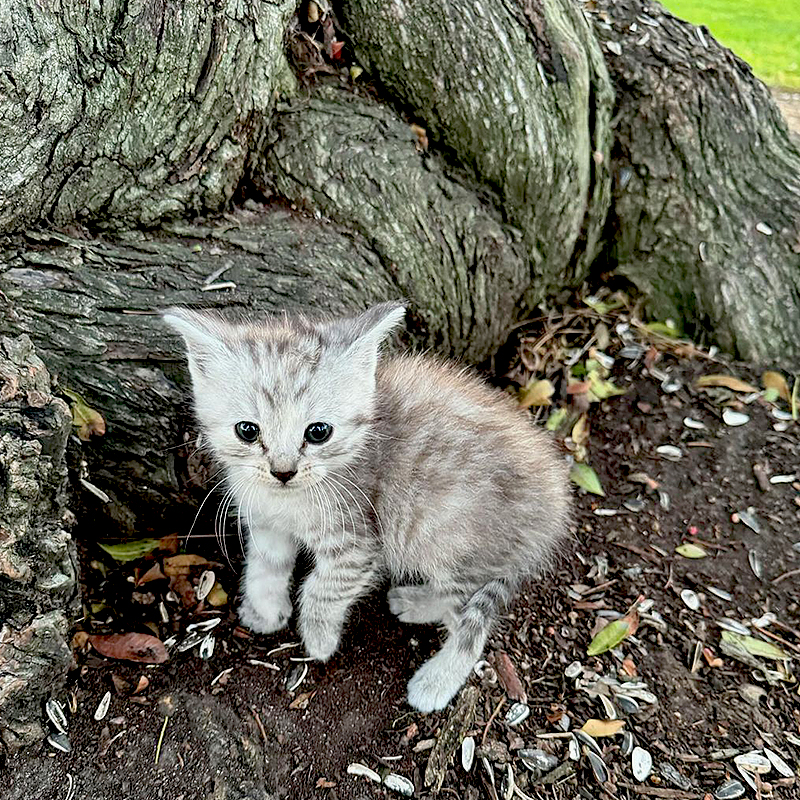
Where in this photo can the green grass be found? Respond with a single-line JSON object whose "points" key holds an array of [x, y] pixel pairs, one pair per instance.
{"points": [[765, 33]]}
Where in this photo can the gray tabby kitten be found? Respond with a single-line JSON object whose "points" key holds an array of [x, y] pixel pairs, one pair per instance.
{"points": [[397, 465]]}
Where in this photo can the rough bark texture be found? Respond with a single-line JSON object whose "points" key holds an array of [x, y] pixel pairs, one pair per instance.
{"points": [[517, 94], [706, 211], [38, 588], [75, 297], [127, 112]]}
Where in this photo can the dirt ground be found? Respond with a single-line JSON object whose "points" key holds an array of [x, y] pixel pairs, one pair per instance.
{"points": [[255, 721]]}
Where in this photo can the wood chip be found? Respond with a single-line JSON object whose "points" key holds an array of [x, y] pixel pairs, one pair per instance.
{"points": [[450, 737], [509, 679]]}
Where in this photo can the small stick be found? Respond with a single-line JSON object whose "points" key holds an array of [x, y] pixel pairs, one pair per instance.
{"points": [[492, 719], [161, 738]]}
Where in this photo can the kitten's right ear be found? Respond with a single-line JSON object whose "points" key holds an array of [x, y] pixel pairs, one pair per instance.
{"points": [[203, 332]]}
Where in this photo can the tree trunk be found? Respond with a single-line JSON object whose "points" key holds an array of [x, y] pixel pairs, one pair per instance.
{"points": [[38, 587], [705, 216]]}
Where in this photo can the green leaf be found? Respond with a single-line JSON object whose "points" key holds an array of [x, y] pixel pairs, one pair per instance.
{"points": [[585, 477], [556, 419], [756, 647], [130, 551], [664, 328], [770, 395], [689, 550], [609, 637], [536, 393], [86, 420]]}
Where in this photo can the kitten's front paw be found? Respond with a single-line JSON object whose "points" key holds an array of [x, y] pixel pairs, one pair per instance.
{"points": [[434, 685], [320, 637], [269, 615]]}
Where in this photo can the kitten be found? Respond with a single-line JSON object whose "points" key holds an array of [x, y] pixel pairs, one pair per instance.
{"points": [[377, 465]]}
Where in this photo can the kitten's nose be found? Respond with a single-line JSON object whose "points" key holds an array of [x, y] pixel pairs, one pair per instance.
{"points": [[283, 477]]}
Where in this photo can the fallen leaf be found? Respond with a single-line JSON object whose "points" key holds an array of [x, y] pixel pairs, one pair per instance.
{"points": [[609, 637], [217, 596], [324, 783], [664, 329], [302, 700], [556, 419], [776, 381], [87, 421], [689, 550], [580, 430], [597, 728], [335, 50], [728, 381], [79, 640], [139, 647], [585, 477], [578, 387], [536, 393], [130, 551], [711, 659], [153, 574], [756, 647], [508, 677], [183, 563], [629, 667]]}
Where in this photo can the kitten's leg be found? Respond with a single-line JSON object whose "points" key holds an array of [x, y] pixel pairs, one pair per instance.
{"points": [[266, 606], [438, 680], [335, 583], [422, 604]]}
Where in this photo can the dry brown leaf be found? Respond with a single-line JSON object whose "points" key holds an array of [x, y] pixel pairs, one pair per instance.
{"points": [[302, 700], [324, 783], [153, 574], [580, 430], [79, 640], [598, 728], [182, 564], [139, 647], [629, 667], [776, 381], [536, 393], [508, 677], [169, 543], [727, 381]]}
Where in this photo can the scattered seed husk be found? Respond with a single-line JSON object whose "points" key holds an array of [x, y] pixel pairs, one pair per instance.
{"points": [[748, 779], [424, 744], [677, 779], [398, 783], [363, 771], [296, 677], [663, 500], [734, 626], [694, 424], [55, 713], [192, 640], [754, 557], [689, 550], [608, 707], [749, 518], [467, 753], [627, 704], [641, 763], [59, 741], [206, 649], [574, 749], [507, 788], [670, 452], [102, 707], [605, 512], [690, 599], [721, 593], [598, 766], [733, 419], [730, 790], [628, 743], [779, 764], [782, 478], [634, 505], [574, 669], [631, 352], [205, 625], [783, 416], [206, 583], [753, 762], [517, 714], [537, 760], [588, 740]]}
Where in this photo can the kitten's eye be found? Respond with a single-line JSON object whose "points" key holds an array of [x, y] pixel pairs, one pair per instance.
{"points": [[247, 431], [318, 432]]}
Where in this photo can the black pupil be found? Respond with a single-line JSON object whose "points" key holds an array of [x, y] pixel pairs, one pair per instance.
{"points": [[318, 432], [247, 431]]}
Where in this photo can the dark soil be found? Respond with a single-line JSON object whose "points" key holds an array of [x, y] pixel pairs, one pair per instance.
{"points": [[240, 737]]}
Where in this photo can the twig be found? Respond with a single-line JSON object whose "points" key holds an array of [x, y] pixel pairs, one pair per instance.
{"points": [[655, 791], [492, 719], [777, 638], [791, 573], [259, 723]]}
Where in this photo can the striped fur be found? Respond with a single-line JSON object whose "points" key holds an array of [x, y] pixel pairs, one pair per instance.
{"points": [[430, 477]]}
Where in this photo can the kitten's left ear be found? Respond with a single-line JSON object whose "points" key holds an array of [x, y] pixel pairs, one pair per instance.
{"points": [[362, 335]]}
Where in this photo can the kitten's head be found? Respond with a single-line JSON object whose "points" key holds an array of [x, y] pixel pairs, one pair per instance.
{"points": [[284, 400]]}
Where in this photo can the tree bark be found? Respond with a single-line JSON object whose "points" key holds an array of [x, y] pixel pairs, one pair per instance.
{"points": [[705, 217], [38, 564]]}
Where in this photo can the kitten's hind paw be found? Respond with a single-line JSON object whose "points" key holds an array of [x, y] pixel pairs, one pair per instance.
{"points": [[268, 617], [435, 684], [320, 637], [416, 605]]}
